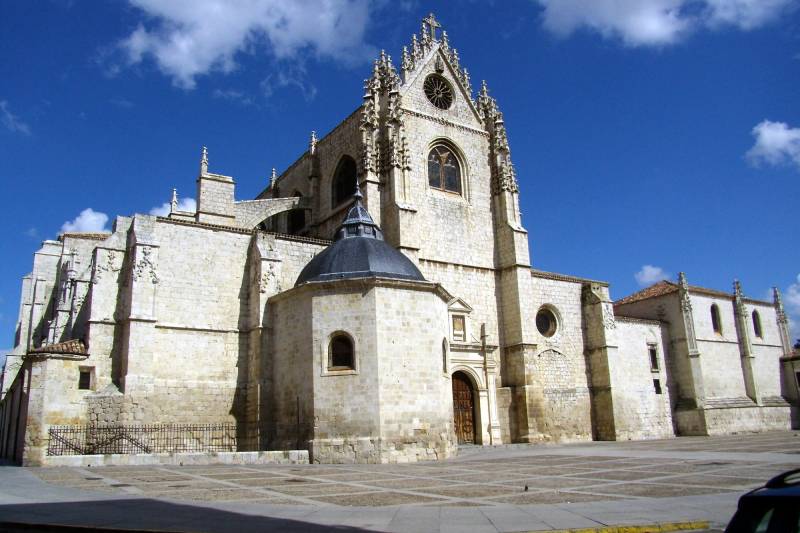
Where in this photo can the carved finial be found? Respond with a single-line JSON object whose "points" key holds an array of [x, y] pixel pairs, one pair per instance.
{"points": [[445, 42], [776, 299], [405, 63], [737, 289], [204, 162], [273, 179], [484, 89], [686, 303], [467, 81], [432, 23], [173, 205], [415, 51], [357, 195], [312, 144]]}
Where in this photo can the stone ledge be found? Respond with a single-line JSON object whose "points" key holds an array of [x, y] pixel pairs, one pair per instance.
{"points": [[288, 457]]}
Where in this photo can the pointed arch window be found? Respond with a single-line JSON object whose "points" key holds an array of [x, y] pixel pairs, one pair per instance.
{"points": [[757, 325], [716, 323], [296, 218], [444, 170], [344, 181]]}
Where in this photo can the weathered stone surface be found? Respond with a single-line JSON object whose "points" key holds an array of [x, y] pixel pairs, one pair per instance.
{"points": [[195, 319]]}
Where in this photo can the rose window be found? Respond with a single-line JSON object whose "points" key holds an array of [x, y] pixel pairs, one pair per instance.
{"points": [[438, 91]]}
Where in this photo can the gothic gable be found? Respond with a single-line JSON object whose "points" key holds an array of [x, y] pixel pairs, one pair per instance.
{"points": [[432, 58]]}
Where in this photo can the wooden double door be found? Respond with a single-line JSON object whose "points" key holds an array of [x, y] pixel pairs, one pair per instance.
{"points": [[463, 408]]}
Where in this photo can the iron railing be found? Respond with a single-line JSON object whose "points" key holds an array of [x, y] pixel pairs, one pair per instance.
{"points": [[149, 438]]}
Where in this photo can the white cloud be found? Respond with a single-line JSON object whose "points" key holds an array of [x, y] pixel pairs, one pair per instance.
{"points": [[776, 144], [232, 95], [745, 14], [650, 274], [89, 221], [33, 233], [656, 22], [11, 121], [188, 38], [184, 204], [291, 77]]}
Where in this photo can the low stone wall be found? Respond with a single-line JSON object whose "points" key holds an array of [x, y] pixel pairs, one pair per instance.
{"points": [[289, 457], [731, 420], [378, 451], [747, 420]]}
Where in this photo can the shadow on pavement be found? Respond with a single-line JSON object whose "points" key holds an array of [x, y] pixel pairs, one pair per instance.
{"points": [[139, 515]]}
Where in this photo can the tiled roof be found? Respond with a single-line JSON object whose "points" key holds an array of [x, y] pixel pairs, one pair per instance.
{"points": [[665, 287], [72, 347], [92, 236], [657, 289]]}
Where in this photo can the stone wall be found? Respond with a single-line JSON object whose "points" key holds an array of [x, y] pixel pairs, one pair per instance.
{"points": [[555, 394], [640, 411]]}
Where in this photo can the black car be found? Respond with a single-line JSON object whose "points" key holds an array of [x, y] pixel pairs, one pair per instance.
{"points": [[773, 508]]}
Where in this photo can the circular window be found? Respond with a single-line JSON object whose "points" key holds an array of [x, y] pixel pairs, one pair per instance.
{"points": [[438, 91], [546, 322]]}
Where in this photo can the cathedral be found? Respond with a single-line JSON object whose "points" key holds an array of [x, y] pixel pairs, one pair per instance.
{"points": [[375, 303]]}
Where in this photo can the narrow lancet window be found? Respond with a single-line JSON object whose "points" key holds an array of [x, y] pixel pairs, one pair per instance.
{"points": [[757, 325], [715, 321], [344, 181]]}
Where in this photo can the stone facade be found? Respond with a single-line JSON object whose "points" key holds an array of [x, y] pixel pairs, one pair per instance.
{"points": [[195, 317]]}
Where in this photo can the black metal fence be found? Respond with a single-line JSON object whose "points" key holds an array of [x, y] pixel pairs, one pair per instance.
{"points": [[150, 438]]}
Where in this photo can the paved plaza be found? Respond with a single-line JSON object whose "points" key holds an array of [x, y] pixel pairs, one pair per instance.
{"points": [[508, 488]]}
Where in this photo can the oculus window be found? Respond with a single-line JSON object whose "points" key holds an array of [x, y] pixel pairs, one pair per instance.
{"points": [[546, 322], [341, 353], [444, 171], [439, 91]]}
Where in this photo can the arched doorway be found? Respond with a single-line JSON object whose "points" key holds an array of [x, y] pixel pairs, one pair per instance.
{"points": [[463, 408]]}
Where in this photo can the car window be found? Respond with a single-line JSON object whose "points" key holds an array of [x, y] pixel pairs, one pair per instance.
{"points": [[763, 524]]}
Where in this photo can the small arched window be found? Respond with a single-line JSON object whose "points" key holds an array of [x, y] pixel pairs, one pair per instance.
{"points": [[344, 181], [444, 170], [341, 355], [715, 321], [444, 356], [757, 325]]}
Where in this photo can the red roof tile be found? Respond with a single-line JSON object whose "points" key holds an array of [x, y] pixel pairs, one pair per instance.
{"points": [[658, 289], [72, 347]]}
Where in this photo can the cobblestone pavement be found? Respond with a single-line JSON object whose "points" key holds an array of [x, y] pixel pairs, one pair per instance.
{"points": [[479, 477]]}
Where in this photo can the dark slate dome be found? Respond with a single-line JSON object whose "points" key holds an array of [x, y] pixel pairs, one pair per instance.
{"points": [[359, 251]]}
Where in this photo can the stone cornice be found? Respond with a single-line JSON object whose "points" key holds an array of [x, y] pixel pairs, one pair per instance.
{"points": [[564, 277], [634, 320], [445, 122], [355, 285]]}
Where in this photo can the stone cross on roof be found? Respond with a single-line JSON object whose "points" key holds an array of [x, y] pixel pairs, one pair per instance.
{"points": [[432, 23]]}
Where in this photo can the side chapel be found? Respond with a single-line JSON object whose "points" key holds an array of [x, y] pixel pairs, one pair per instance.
{"points": [[376, 303]]}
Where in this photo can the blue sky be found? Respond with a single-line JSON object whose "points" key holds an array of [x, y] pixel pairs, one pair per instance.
{"points": [[649, 136]]}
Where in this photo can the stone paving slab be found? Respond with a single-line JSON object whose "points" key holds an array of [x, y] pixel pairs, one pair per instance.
{"points": [[569, 486]]}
